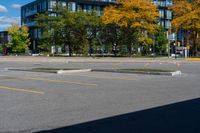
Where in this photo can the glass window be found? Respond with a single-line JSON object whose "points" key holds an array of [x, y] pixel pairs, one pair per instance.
{"points": [[161, 23], [161, 12], [79, 7], [167, 24], [85, 8], [72, 6], [39, 33], [44, 5], [52, 3], [64, 4], [168, 14], [53, 14], [89, 7]]}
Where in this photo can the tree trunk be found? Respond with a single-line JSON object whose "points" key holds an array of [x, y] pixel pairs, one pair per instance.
{"points": [[70, 50], [194, 44], [90, 48], [130, 49]]}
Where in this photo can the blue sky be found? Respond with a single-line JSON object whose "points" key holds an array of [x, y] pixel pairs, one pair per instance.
{"points": [[10, 12]]}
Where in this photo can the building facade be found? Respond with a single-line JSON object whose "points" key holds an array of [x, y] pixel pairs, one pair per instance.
{"points": [[30, 10], [165, 13], [4, 40], [4, 37]]}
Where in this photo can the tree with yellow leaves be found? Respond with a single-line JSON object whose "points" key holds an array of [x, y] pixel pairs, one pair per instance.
{"points": [[137, 14], [133, 16], [187, 17], [19, 38]]}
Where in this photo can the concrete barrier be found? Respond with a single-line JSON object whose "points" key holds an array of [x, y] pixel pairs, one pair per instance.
{"points": [[73, 71]]}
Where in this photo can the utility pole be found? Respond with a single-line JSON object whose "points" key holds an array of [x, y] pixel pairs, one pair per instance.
{"points": [[175, 44], [168, 42]]}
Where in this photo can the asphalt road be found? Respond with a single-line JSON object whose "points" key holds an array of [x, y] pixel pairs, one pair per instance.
{"points": [[99, 102]]}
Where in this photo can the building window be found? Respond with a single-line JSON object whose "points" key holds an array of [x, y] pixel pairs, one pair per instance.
{"points": [[39, 33], [79, 7], [44, 6], [89, 8], [161, 23], [35, 33], [52, 3], [52, 14], [72, 6], [167, 24], [163, 3], [161, 12], [168, 14], [64, 4], [98, 10]]}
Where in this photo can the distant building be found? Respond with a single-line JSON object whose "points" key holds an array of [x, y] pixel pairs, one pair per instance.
{"points": [[30, 10], [165, 13], [4, 37], [4, 40]]}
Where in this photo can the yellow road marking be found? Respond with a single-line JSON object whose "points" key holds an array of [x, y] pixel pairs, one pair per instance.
{"points": [[22, 90], [100, 77], [55, 81], [178, 65], [147, 64], [59, 81], [5, 80], [116, 64]]}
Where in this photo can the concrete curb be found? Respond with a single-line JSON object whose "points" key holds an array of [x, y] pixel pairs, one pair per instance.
{"points": [[192, 59], [73, 71], [176, 73]]}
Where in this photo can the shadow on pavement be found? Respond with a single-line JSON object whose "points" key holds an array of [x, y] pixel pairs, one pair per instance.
{"points": [[183, 117]]}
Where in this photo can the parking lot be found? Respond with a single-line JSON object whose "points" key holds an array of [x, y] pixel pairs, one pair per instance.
{"points": [[99, 102]]}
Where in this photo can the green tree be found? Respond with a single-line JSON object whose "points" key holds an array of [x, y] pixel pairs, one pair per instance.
{"points": [[1, 49], [93, 26], [51, 31], [73, 30], [160, 42], [110, 36], [19, 38]]}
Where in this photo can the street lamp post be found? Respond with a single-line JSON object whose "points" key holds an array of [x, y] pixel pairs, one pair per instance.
{"points": [[175, 49], [168, 44], [114, 49], [175, 44]]}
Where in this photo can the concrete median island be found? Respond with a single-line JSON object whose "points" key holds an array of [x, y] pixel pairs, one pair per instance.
{"points": [[51, 70], [131, 71], [142, 71]]}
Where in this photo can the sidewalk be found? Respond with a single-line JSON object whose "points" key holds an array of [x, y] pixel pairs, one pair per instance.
{"points": [[94, 60]]}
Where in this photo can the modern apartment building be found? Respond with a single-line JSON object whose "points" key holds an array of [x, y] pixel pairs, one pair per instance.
{"points": [[30, 10], [4, 40], [4, 37], [165, 12]]}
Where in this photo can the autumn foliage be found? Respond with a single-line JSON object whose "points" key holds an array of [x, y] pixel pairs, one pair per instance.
{"points": [[137, 14], [187, 17], [137, 20]]}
